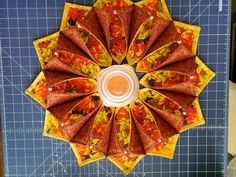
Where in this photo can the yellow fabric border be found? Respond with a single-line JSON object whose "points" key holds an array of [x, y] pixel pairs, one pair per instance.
{"points": [[36, 42], [66, 11], [166, 10], [209, 77], [122, 168], [167, 153], [196, 32], [29, 90], [85, 162]]}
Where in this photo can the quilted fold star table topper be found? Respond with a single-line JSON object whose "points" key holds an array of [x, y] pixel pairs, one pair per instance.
{"points": [[89, 81]]}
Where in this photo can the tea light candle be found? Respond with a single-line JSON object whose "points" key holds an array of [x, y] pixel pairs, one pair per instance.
{"points": [[117, 85]]}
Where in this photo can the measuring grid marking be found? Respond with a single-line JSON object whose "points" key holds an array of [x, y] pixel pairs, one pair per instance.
{"points": [[200, 151]]}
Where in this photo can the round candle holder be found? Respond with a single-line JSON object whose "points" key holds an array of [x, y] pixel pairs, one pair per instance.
{"points": [[117, 85]]}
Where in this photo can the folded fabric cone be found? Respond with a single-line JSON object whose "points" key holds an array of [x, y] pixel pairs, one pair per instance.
{"points": [[146, 125], [125, 146], [167, 142], [191, 109], [53, 78], [166, 108], [173, 78], [56, 128], [115, 18], [45, 47], [186, 77], [186, 66], [185, 101], [169, 80], [95, 131], [50, 88], [73, 13], [73, 114], [153, 128], [124, 137], [63, 88], [93, 137], [89, 37], [68, 58], [145, 30], [166, 50], [64, 44]]}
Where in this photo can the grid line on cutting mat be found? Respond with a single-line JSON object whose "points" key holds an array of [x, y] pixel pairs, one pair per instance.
{"points": [[200, 151]]}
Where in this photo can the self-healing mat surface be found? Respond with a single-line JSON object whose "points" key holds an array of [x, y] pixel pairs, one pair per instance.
{"points": [[200, 151]]}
